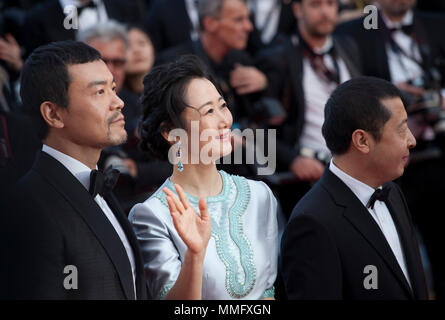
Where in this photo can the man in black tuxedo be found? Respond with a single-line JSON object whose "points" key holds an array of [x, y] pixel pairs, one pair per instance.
{"points": [[349, 238], [45, 22], [408, 49], [63, 233], [304, 71]]}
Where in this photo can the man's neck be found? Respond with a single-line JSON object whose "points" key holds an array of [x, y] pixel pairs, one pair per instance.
{"points": [[213, 48], [394, 18], [87, 155], [356, 168], [313, 42]]}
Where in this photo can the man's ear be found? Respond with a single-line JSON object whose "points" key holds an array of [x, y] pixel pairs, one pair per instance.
{"points": [[52, 114], [210, 24], [362, 141]]}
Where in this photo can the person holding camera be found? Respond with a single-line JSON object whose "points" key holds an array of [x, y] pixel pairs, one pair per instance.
{"points": [[311, 64], [408, 50]]}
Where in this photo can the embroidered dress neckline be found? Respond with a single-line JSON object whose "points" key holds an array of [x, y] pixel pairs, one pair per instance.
{"points": [[217, 198]]}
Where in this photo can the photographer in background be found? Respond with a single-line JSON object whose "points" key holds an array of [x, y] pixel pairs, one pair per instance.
{"points": [[225, 28], [408, 49], [311, 64]]}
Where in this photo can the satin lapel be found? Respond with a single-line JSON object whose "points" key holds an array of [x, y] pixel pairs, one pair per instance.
{"points": [[79, 198], [362, 220], [409, 244], [141, 292]]}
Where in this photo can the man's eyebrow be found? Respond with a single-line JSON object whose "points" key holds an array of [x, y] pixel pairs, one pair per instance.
{"points": [[209, 102], [98, 83], [405, 120]]}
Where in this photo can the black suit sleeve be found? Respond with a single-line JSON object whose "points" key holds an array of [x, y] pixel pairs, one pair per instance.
{"points": [[309, 262]]}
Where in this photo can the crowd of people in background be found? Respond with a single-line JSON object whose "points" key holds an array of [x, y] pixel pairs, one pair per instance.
{"points": [[276, 64]]}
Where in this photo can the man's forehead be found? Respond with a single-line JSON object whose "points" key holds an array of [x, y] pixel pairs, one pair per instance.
{"points": [[91, 71]]}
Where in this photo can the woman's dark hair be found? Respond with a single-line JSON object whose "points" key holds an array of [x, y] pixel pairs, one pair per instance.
{"points": [[163, 101], [45, 76], [356, 104]]}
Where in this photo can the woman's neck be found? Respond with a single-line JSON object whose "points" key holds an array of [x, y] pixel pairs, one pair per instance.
{"points": [[135, 82], [199, 180]]}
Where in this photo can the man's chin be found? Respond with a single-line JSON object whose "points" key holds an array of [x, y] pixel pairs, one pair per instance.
{"points": [[118, 140]]}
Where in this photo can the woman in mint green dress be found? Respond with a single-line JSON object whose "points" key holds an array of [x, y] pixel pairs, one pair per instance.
{"points": [[204, 234]]}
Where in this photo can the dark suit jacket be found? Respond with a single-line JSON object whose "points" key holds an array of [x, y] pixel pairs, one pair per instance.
{"points": [[159, 24], [44, 23], [283, 64], [372, 46], [51, 221], [331, 237]]}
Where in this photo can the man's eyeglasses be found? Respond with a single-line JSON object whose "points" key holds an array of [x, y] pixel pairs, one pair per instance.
{"points": [[118, 63]]}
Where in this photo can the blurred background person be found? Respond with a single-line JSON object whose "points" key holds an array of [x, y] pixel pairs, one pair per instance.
{"points": [[305, 70], [273, 21], [140, 59], [44, 23], [225, 28]]}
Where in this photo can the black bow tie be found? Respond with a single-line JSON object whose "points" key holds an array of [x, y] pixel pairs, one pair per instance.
{"points": [[407, 29], [103, 182], [379, 194]]}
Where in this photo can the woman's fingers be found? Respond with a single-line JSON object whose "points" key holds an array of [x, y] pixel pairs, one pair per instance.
{"points": [[182, 196], [171, 206], [174, 198], [205, 215]]}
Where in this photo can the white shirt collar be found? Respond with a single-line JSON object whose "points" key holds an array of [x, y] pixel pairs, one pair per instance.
{"points": [[326, 47], [77, 168], [407, 20], [361, 190]]}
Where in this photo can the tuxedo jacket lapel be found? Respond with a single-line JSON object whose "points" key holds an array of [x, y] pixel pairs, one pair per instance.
{"points": [[409, 245], [141, 291], [360, 218], [79, 198]]}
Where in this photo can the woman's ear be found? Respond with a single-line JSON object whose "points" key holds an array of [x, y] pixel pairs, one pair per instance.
{"points": [[52, 114], [165, 131], [362, 141]]}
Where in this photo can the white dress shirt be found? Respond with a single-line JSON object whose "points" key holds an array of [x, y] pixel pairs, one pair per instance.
{"points": [[402, 68], [192, 12], [89, 17], [82, 173], [267, 17], [316, 93], [380, 214]]}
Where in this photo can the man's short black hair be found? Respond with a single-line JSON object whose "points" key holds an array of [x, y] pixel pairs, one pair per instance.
{"points": [[356, 104], [45, 76]]}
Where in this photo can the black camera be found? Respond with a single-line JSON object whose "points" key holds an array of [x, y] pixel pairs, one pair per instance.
{"points": [[429, 105]]}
